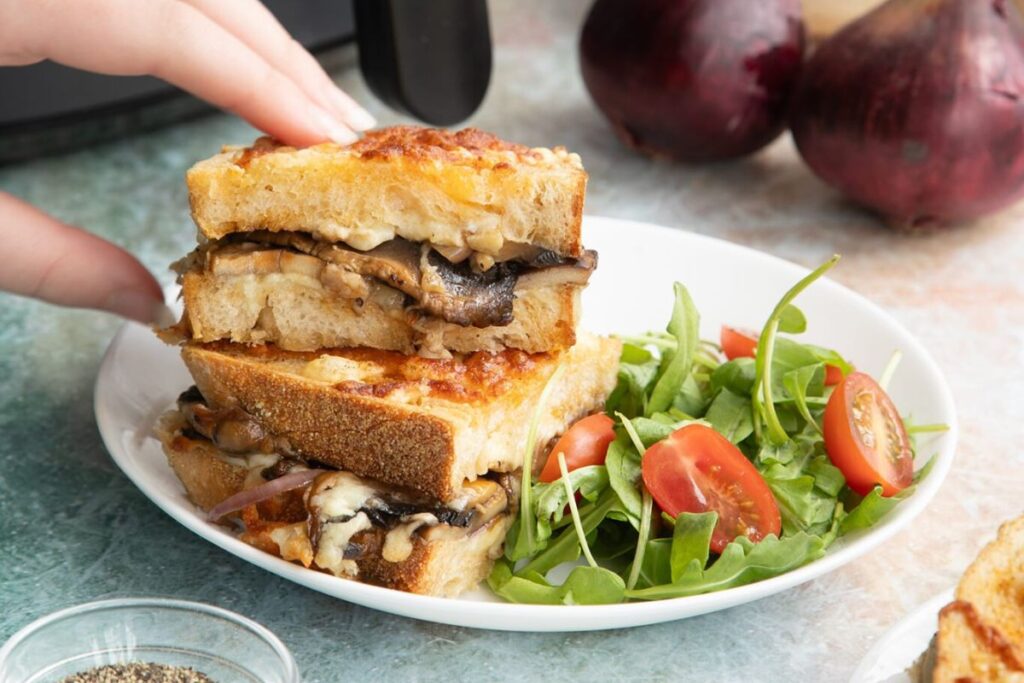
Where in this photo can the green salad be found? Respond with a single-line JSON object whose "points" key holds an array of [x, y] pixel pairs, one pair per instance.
{"points": [[713, 466]]}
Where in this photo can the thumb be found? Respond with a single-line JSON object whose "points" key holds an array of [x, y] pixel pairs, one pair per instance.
{"points": [[49, 260]]}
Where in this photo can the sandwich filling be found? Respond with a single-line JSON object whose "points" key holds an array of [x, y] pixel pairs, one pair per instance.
{"points": [[460, 285], [335, 520]]}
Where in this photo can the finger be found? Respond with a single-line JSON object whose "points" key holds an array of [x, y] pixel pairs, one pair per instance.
{"points": [[49, 260], [252, 23], [176, 42]]}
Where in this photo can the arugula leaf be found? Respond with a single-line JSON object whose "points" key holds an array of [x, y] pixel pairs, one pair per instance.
{"points": [[764, 405], [830, 357], [692, 398], [581, 535], [566, 547], [638, 369], [676, 364], [651, 430], [584, 586], [804, 381], [691, 543], [827, 477], [871, 509], [875, 506], [803, 508], [552, 498], [792, 320], [623, 467], [656, 568], [742, 562], [737, 376], [730, 415]]}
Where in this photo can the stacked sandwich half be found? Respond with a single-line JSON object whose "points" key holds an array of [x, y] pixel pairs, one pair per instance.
{"points": [[370, 330]]}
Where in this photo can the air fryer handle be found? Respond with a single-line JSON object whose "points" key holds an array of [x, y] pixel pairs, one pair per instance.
{"points": [[427, 58]]}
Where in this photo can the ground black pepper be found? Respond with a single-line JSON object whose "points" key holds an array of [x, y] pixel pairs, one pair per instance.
{"points": [[139, 672]]}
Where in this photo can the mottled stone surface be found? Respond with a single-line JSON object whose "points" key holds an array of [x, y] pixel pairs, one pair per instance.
{"points": [[73, 529]]}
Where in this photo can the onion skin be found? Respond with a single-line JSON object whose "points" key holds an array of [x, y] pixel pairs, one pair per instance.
{"points": [[916, 110], [693, 80]]}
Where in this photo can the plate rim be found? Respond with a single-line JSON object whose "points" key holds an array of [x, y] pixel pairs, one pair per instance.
{"points": [[924, 609], [561, 618]]}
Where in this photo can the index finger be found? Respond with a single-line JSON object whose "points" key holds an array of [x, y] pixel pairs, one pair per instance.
{"points": [[174, 41]]}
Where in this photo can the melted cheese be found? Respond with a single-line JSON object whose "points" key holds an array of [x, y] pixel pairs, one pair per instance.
{"points": [[334, 539], [398, 542], [293, 543], [337, 369], [251, 461], [341, 495]]}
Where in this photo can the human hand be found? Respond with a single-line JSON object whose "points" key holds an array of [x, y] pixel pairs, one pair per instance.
{"points": [[232, 53]]}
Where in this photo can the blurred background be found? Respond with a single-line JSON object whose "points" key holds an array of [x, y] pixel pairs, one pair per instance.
{"points": [[110, 154]]}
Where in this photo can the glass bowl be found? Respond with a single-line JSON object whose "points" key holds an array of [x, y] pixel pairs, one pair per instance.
{"points": [[227, 647]]}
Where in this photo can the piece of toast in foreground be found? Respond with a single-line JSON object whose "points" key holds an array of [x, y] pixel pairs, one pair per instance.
{"points": [[981, 634], [415, 547], [295, 311], [426, 424], [465, 188]]}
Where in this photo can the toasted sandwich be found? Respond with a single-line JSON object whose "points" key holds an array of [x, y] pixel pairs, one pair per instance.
{"points": [[370, 330], [417, 458], [981, 633], [413, 240]]}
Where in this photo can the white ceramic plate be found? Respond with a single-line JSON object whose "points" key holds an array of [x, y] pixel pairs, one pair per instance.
{"points": [[630, 292], [888, 660]]}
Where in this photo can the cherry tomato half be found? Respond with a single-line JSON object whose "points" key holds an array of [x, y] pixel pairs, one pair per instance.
{"points": [[833, 375], [696, 469], [586, 443], [738, 343], [742, 344], [865, 437]]}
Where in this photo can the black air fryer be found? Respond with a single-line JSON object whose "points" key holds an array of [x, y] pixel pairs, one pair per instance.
{"points": [[430, 59]]}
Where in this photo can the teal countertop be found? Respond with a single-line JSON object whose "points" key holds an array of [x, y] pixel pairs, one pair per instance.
{"points": [[74, 529]]}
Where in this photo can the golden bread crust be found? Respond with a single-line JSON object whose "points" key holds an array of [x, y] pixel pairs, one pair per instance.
{"points": [[412, 437], [981, 634], [465, 188]]}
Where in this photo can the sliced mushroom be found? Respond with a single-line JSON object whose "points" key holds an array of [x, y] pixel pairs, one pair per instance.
{"points": [[301, 264], [460, 295], [569, 272], [395, 263], [238, 262]]}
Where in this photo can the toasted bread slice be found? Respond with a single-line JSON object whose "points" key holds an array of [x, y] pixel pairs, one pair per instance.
{"points": [[981, 634], [457, 189], [296, 312], [969, 650], [426, 424], [417, 552]]}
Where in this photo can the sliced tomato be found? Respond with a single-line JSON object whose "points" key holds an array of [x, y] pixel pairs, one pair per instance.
{"points": [[696, 469], [833, 375], [586, 443], [865, 437], [738, 343]]}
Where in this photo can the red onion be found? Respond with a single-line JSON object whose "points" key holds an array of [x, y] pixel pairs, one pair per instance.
{"points": [[694, 80], [258, 494], [916, 109]]}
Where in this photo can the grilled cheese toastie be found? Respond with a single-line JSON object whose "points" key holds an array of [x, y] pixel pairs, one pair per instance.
{"points": [[346, 525], [981, 633], [425, 424], [412, 240], [370, 330]]}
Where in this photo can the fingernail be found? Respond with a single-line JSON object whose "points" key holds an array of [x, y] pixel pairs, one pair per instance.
{"points": [[332, 129], [141, 307], [352, 113]]}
